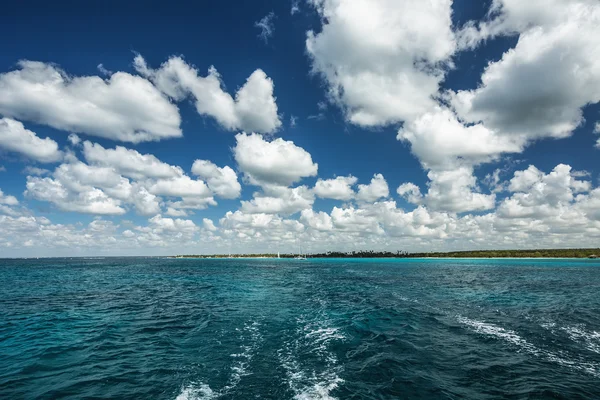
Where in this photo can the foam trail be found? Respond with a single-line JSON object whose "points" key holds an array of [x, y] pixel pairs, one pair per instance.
{"points": [[591, 340], [313, 336], [512, 337], [202, 392], [251, 339]]}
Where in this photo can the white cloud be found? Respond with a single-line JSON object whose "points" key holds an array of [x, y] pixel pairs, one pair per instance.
{"points": [[553, 204], [339, 188], [438, 139], [555, 209], [411, 192], [174, 212], [74, 139], [78, 187], [15, 138], [383, 60], [320, 221], [253, 109], [280, 200], [162, 224], [191, 203], [266, 26], [222, 181], [456, 191], [538, 88], [277, 162], [355, 220], [295, 7], [130, 162], [453, 190], [8, 200], [209, 224], [103, 70], [90, 200], [375, 190], [123, 107], [182, 186], [266, 228], [29, 170], [145, 202]]}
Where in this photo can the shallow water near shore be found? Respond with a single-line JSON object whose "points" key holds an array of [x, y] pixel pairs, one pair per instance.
{"points": [[153, 328]]}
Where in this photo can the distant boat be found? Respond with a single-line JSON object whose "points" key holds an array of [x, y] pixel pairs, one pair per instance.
{"points": [[300, 256], [278, 256]]}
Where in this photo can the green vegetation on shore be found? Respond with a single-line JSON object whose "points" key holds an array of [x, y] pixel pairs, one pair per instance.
{"points": [[542, 253]]}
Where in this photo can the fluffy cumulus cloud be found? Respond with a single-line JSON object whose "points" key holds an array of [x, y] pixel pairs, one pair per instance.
{"points": [[439, 140], [538, 88], [115, 181], [456, 190], [121, 107], [254, 107], [375, 190], [222, 181], [130, 162], [158, 236], [339, 188], [383, 60], [280, 200], [539, 195], [276, 162], [78, 187], [8, 200], [181, 186], [15, 138], [558, 208]]}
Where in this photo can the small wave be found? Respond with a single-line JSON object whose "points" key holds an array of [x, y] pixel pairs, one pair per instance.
{"points": [[513, 338], [200, 392], [320, 390], [591, 340]]}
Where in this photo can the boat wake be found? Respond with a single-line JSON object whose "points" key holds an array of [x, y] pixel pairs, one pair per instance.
{"points": [[515, 339], [578, 334], [251, 339], [197, 392], [312, 368]]}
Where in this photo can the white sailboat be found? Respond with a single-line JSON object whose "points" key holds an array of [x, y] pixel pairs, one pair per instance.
{"points": [[300, 256]]}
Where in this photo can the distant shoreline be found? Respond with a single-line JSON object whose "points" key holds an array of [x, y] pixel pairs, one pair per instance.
{"points": [[489, 254]]}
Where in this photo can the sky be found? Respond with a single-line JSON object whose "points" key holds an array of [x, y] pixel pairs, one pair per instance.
{"points": [[152, 128]]}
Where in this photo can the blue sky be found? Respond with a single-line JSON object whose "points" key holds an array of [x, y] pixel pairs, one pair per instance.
{"points": [[468, 124]]}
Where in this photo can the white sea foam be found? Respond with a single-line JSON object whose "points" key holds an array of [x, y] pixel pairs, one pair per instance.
{"points": [[590, 339], [522, 344], [200, 392], [313, 336], [251, 339]]}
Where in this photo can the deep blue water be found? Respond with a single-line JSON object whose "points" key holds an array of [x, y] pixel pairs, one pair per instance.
{"points": [[134, 328]]}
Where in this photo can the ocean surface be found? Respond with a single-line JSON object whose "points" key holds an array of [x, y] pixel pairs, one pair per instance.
{"points": [[151, 328]]}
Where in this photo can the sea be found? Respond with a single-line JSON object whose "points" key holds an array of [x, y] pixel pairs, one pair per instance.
{"points": [[183, 329]]}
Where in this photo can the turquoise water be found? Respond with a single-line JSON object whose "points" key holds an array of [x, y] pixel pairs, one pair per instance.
{"points": [[136, 328]]}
